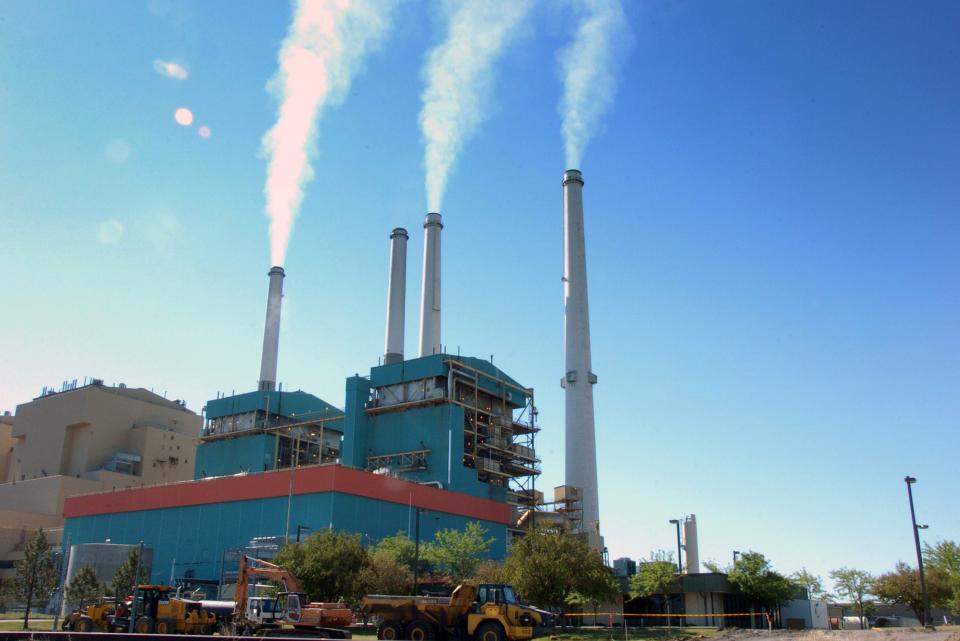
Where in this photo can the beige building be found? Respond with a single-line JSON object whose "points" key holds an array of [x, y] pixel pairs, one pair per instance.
{"points": [[93, 438]]}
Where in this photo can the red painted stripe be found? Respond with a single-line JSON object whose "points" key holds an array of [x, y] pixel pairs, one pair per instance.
{"points": [[312, 480]]}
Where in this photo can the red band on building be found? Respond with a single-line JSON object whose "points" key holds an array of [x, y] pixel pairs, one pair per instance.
{"points": [[310, 480]]}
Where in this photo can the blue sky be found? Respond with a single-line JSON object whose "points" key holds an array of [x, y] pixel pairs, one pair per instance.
{"points": [[772, 221]]}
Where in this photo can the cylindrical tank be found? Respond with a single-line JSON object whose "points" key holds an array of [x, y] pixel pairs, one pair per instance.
{"points": [[396, 297], [271, 331], [430, 293], [104, 558]]}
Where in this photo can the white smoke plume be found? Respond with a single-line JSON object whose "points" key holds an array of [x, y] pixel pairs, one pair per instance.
{"points": [[325, 46], [459, 77], [588, 66]]}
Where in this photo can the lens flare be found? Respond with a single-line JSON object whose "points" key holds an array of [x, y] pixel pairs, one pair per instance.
{"points": [[183, 116], [204, 132]]}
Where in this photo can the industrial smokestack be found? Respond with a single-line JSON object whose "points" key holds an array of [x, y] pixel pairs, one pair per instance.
{"points": [[430, 294], [578, 382], [271, 331], [690, 547], [396, 297]]}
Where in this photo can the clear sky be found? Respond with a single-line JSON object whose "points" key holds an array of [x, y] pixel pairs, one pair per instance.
{"points": [[772, 208]]}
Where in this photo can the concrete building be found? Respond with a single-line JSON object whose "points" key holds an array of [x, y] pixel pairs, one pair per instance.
{"points": [[92, 438]]}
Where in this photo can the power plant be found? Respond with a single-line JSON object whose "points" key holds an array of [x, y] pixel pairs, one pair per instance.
{"points": [[445, 434], [579, 379]]}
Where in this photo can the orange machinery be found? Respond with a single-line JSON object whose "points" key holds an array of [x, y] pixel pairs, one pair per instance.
{"points": [[290, 608]]}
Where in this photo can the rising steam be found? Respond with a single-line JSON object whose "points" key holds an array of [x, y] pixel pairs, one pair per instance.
{"points": [[459, 78], [325, 46], [588, 65]]}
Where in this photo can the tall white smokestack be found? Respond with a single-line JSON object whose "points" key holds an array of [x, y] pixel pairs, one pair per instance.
{"points": [[581, 445], [430, 294], [271, 331], [690, 546], [396, 297]]}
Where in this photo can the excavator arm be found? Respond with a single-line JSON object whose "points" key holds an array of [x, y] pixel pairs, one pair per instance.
{"points": [[250, 568]]}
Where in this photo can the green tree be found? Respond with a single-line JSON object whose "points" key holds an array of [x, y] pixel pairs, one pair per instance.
{"points": [[903, 586], [811, 582], [853, 585], [36, 574], [656, 577], [945, 557], [757, 580], [123, 581], [84, 588], [491, 572], [548, 566], [329, 564], [400, 547], [384, 574], [599, 585], [458, 552]]}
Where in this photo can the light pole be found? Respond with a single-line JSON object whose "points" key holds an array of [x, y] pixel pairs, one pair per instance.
{"points": [[927, 619], [736, 554], [301, 528], [679, 550]]}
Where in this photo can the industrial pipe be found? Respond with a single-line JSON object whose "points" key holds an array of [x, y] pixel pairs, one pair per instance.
{"points": [[579, 379], [430, 293], [271, 331], [396, 297]]}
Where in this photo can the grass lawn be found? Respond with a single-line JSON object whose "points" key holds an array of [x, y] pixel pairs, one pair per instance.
{"points": [[8, 625], [6, 616]]}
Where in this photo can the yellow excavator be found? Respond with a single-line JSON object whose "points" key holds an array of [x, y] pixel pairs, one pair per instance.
{"points": [[269, 616]]}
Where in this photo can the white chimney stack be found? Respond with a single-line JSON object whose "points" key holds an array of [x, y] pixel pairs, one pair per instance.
{"points": [[578, 382], [271, 331], [430, 294], [690, 547], [396, 297]]}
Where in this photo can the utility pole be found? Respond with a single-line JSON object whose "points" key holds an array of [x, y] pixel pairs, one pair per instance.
{"points": [[64, 559], [927, 619], [416, 555]]}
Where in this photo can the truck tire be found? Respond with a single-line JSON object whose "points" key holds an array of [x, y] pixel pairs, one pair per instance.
{"points": [[390, 630], [165, 626], [489, 631], [144, 625], [420, 630], [83, 624]]}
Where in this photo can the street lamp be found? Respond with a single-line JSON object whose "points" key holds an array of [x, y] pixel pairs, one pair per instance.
{"points": [[679, 557], [302, 528], [736, 554], [927, 619]]}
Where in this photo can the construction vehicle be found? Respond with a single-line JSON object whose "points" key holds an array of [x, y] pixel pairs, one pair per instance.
{"points": [[269, 616], [93, 618], [158, 611], [482, 612]]}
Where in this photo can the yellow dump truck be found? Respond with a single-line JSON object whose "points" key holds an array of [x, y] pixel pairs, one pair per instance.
{"points": [[482, 612]]}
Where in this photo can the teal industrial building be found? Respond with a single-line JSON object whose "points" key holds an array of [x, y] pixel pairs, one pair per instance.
{"points": [[444, 439]]}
